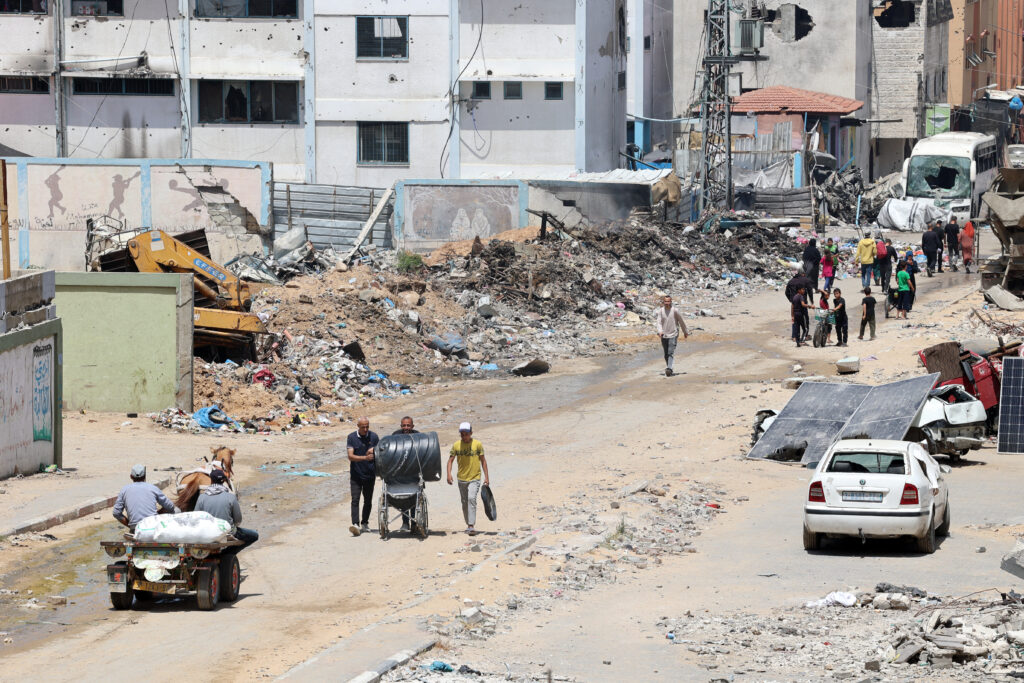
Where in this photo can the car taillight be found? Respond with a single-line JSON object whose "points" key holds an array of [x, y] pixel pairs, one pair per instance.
{"points": [[816, 494], [909, 495]]}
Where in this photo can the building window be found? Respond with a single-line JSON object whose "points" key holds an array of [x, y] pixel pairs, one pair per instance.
{"points": [[481, 90], [22, 6], [24, 84], [122, 86], [383, 143], [553, 90], [513, 90], [622, 80], [382, 37], [647, 42], [247, 8], [97, 8], [248, 102]]}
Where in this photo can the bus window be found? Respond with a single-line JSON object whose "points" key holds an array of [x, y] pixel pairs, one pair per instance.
{"points": [[939, 177]]}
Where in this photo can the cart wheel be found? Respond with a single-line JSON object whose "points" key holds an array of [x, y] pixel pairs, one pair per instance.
{"points": [[382, 518], [422, 521], [207, 586], [230, 578], [123, 600]]}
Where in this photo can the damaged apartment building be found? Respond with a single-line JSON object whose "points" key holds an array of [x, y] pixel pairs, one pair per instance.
{"points": [[346, 92], [889, 54]]}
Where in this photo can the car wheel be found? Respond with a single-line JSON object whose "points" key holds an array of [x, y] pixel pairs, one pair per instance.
{"points": [[943, 529], [926, 543], [812, 541]]}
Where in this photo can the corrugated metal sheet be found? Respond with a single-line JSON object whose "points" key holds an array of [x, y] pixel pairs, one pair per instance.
{"points": [[333, 215]]}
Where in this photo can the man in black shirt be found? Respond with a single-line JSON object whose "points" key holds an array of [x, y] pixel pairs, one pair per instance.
{"points": [[798, 311], [842, 321], [361, 445], [407, 427], [953, 241], [931, 242], [867, 313]]}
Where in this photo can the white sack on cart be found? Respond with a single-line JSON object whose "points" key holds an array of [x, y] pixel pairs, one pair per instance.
{"points": [[184, 527]]}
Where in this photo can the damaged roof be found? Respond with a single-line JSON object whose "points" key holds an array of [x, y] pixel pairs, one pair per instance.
{"points": [[782, 98]]}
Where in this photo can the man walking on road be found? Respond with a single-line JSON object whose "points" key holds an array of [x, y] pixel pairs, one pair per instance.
{"points": [[798, 313], [470, 454], [139, 500], [952, 242], [669, 322], [407, 427], [217, 500], [940, 230], [361, 445], [930, 244], [866, 252]]}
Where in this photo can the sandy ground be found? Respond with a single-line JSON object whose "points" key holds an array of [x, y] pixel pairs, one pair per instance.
{"points": [[578, 434]]}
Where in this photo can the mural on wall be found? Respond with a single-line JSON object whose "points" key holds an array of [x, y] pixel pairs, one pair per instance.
{"points": [[459, 212], [42, 393]]}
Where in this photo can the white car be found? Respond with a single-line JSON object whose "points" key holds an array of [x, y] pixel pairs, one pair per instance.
{"points": [[871, 488]]}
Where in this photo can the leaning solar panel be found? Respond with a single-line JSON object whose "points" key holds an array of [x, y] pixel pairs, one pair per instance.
{"points": [[1011, 407], [889, 409]]}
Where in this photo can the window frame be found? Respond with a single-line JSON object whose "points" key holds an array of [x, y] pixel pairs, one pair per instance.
{"points": [[474, 95], [382, 57], [22, 12], [278, 17], [561, 91], [360, 161], [123, 81], [223, 121], [32, 90], [71, 10], [504, 90]]}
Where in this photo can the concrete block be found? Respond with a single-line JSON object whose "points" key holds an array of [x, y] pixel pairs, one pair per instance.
{"points": [[848, 365], [27, 292], [12, 321], [1014, 561]]}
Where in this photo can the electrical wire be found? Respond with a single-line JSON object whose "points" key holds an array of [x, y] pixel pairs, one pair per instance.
{"points": [[185, 108], [451, 91]]}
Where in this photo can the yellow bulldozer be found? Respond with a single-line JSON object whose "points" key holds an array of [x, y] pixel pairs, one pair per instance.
{"points": [[224, 328]]}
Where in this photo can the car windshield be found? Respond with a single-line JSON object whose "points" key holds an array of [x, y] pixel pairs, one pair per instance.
{"points": [[869, 463], [939, 177]]}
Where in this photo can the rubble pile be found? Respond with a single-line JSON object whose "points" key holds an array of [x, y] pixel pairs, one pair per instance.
{"points": [[893, 632], [845, 191]]}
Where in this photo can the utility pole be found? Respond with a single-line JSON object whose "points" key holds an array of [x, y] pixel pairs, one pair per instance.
{"points": [[715, 110], [5, 231]]}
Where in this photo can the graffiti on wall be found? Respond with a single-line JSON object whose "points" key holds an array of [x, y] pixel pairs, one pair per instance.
{"points": [[42, 393], [459, 212]]}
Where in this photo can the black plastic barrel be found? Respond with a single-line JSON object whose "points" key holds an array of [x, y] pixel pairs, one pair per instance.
{"points": [[400, 458]]}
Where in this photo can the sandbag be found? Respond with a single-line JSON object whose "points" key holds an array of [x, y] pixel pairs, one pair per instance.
{"points": [[490, 507], [184, 527], [401, 457]]}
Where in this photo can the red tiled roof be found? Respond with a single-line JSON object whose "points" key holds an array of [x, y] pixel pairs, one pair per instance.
{"points": [[780, 98]]}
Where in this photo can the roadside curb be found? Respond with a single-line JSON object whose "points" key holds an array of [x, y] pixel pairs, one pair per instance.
{"points": [[70, 514], [394, 661]]}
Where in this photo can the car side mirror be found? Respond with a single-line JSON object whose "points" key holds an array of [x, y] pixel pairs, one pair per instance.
{"points": [[945, 469], [811, 465]]}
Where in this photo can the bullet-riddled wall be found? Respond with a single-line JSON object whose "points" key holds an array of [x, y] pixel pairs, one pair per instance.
{"points": [[128, 341]]}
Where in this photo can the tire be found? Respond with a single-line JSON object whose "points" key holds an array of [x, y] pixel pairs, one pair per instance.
{"points": [[144, 599], [422, 520], [943, 529], [926, 544], [123, 600], [382, 518], [230, 578], [818, 340], [812, 541], [207, 586]]}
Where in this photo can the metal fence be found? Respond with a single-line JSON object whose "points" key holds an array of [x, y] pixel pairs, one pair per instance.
{"points": [[333, 215]]}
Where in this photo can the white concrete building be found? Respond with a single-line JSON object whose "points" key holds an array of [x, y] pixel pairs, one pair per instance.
{"points": [[353, 92], [649, 73]]}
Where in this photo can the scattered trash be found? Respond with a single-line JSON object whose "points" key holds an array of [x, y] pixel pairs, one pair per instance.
{"points": [[310, 473], [835, 598]]}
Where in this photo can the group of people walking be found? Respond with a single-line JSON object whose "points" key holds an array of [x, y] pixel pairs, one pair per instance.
{"points": [[467, 452], [956, 242]]}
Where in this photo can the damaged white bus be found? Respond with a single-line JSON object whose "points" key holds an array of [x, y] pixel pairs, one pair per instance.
{"points": [[952, 170]]}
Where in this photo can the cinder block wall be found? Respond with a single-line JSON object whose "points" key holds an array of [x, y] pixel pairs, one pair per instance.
{"points": [[128, 341]]}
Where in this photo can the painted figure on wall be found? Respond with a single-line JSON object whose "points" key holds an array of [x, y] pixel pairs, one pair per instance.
{"points": [[118, 185], [52, 183]]}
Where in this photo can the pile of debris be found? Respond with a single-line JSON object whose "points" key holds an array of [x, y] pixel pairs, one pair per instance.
{"points": [[853, 201]]}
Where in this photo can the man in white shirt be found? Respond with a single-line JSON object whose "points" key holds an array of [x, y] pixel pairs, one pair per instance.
{"points": [[670, 321]]}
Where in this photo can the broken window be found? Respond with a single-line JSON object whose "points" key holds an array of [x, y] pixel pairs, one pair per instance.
{"points": [[122, 86], [247, 8], [896, 14], [248, 102], [792, 23], [939, 177], [382, 37], [24, 84], [97, 8], [22, 6], [383, 143]]}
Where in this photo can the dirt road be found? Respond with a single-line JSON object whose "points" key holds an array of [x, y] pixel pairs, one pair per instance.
{"points": [[560, 448]]}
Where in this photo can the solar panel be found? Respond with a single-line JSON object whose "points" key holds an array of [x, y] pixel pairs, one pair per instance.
{"points": [[810, 422], [888, 410], [1011, 406]]}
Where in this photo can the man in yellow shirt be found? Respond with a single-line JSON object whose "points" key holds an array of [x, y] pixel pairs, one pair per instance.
{"points": [[470, 454], [867, 250]]}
